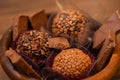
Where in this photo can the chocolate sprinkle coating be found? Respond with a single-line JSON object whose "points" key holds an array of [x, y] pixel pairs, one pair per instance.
{"points": [[72, 63], [69, 22], [33, 44]]}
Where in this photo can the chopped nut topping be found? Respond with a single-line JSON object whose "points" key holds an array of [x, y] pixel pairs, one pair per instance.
{"points": [[69, 22], [72, 63], [32, 43]]}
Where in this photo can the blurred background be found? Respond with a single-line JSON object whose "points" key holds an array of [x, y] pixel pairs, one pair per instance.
{"points": [[100, 10]]}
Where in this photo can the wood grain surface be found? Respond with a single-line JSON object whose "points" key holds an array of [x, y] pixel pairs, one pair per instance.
{"points": [[10, 9]]}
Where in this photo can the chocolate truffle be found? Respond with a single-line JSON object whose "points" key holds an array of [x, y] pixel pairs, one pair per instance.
{"points": [[72, 63], [33, 44], [68, 23]]}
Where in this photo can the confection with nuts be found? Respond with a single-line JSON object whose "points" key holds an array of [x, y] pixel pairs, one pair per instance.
{"points": [[55, 47], [72, 63], [33, 44], [69, 22]]}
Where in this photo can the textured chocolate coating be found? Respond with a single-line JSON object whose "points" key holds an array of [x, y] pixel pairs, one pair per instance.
{"points": [[76, 26], [33, 44], [72, 63], [69, 22]]}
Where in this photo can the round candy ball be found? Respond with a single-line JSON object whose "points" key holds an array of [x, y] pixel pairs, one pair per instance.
{"points": [[68, 23], [33, 44], [72, 63]]}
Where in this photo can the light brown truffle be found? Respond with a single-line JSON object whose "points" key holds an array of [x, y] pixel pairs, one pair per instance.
{"points": [[72, 63]]}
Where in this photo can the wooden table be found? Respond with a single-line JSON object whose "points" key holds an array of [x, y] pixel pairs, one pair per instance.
{"points": [[9, 9]]}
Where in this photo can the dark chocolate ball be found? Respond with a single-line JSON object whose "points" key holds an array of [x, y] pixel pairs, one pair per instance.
{"points": [[33, 44]]}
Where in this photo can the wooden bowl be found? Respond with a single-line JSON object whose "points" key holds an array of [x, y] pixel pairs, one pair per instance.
{"points": [[106, 74]]}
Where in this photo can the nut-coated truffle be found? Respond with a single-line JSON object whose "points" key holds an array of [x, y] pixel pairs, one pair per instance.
{"points": [[72, 63], [33, 44], [69, 22]]}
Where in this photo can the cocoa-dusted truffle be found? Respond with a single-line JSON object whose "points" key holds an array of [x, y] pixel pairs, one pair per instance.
{"points": [[33, 44], [72, 63], [69, 22]]}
